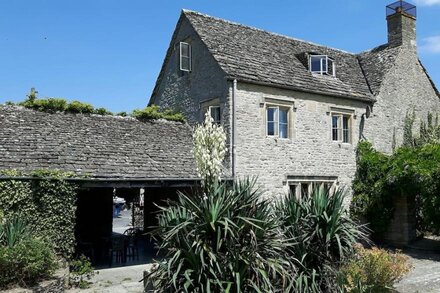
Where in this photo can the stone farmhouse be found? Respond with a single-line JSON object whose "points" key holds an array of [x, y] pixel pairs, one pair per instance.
{"points": [[294, 111]]}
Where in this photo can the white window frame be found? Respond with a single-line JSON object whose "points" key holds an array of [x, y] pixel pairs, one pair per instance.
{"points": [[340, 127], [219, 121], [297, 185], [181, 56], [322, 71], [276, 120]]}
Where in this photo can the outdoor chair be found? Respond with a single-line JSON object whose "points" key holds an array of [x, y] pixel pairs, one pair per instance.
{"points": [[118, 250], [131, 243]]}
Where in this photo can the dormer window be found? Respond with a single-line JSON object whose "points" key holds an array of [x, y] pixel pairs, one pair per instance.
{"points": [[185, 56], [322, 64]]}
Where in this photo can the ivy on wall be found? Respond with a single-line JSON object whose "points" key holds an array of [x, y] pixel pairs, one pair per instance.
{"points": [[409, 171], [47, 203]]}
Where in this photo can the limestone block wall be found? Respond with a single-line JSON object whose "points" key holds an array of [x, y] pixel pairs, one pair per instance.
{"points": [[186, 91], [310, 151], [406, 87]]}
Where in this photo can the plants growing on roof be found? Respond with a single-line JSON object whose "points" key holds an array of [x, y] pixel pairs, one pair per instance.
{"points": [[154, 112]]}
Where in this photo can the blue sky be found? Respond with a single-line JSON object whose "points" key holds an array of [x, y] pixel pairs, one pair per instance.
{"points": [[109, 52]]}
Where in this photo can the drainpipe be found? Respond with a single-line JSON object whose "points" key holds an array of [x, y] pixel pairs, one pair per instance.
{"points": [[234, 89]]}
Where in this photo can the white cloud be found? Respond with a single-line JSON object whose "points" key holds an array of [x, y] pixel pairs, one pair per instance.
{"points": [[427, 2], [431, 44]]}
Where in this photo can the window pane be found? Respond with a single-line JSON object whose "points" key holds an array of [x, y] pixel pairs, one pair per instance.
{"points": [[271, 114], [315, 64], [346, 131], [292, 189], [304, 190], [335, 127], [270, 128], [283, 130], [185, 49], [335, 134], [215, 114], [185, 63], [335, 121], [283, 116]]}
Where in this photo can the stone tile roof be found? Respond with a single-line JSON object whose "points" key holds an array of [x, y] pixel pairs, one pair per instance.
{"points": [[376, 64], [104, 147], [254, 55]]}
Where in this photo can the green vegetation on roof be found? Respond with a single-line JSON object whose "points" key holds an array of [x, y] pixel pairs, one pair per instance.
{"points": [[54, 105]]}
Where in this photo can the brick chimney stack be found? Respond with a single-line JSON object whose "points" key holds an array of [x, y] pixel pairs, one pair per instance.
{"points": [[401, 18]]}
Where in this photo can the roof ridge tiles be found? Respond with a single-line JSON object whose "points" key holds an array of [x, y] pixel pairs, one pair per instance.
{"points": [[187, 11]]}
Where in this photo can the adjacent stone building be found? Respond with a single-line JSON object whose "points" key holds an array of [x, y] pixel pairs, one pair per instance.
{"points": [[294, 111]]}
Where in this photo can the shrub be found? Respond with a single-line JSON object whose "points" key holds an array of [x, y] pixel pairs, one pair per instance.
{"points": [[122, 114], [81, 271], [373, 270], [13, 231], [324, 236], [153, 112], [225, 240], [102, 111], [79, 107], [50, 105], [24, 260], [410, 171], [47, 204]]}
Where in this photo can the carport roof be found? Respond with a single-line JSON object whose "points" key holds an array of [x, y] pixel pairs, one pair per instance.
{"points": [[105, 148]]}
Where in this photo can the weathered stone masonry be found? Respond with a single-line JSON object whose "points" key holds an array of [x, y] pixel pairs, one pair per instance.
{"points": [[269, 68]]}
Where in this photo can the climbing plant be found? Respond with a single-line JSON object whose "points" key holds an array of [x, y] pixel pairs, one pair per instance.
{"points": [[409, 171], [47, 203]]}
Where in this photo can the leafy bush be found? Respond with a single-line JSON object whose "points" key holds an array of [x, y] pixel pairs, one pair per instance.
{"points": [[153, 112], [122, 114], [50, 105], [410, 171], [48, 205], [102, 111], [81, 271], [224, 240], [373, 270], [324, 236], [24, 260], [79, 107]]}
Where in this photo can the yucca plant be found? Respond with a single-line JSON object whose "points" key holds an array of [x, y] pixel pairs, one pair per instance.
{"points": [[324, 236], [222, 240], [12, 231]]}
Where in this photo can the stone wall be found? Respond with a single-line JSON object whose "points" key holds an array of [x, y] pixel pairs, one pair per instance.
{"points": [[310, 151], [185, 91], [402, 229], [406, 87]]}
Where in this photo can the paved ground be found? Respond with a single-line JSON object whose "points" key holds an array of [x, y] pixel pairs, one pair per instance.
{"points": [[425, 277], [123, 222], [116, 280]]}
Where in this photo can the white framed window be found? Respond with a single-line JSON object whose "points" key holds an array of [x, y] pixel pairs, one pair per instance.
{"points": [[303, 188], [185, 56], [322, 64], [277, 121], [214, 111], [341, 127]]}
